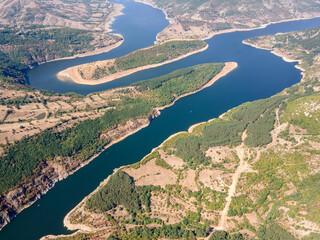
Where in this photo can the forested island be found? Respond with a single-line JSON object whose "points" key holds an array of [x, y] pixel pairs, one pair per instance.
{"points": [[111, 69], [251, 173]]}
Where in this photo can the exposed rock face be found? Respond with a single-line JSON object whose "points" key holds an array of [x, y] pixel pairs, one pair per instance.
{"points": [[18, 199]]}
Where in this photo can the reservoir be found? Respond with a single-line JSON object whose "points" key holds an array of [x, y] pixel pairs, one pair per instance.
{"points": [[260, 74]]}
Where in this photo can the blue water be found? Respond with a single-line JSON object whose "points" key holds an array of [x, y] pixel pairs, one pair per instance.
{"points": [[259, 75]]}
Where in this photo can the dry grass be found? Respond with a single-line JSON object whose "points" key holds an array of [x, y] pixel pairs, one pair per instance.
{"points": [[151, 174]]}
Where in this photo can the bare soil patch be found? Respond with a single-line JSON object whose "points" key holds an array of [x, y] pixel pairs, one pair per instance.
{"points": [[151, 174], [189, 180]]}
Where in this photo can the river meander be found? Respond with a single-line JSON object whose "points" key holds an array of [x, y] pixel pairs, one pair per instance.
{"points": [[260, 74]]}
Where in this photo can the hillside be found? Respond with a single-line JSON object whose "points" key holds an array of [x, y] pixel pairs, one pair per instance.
{"points": [[252, 173], [83, 14], [202, 18]]}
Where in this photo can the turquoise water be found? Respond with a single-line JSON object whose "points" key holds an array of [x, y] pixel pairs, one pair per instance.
{"points": [[259, 75]]}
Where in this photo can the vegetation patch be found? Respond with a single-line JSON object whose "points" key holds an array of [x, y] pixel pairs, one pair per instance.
{"points": [[223, 235], [148, 56], [252, 111], [158, 53], [308, 195], [120, 190], [168, 87], [217, 133], [258, 133], [167, 231], [305, 113], [275, 232], [240, 205]]}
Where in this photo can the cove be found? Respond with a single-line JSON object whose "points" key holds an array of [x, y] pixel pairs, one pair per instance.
{"points": [[259, 75]]}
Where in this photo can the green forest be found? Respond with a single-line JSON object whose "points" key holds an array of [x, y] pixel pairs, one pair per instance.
{"points": [[153, 55], [167, 87], [166, 231], [120, 190], [158, 53]]}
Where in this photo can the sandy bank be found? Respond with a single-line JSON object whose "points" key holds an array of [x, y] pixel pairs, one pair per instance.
{"points": [[283, 56], [74, 75], [273, 51]]}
